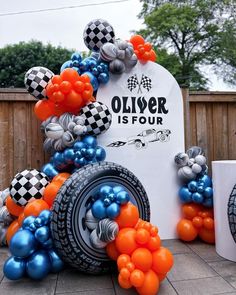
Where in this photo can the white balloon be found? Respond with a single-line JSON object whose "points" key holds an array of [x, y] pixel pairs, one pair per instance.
{"points": [[196, 168], [200, 160]]}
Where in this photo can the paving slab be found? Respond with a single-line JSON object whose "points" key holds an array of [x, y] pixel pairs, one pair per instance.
{"points": [[93, 292], [176, 246], [189, 266], [206, 286]]}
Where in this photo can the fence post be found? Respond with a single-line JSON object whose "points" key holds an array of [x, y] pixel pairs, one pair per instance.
{"points": [[187, 130]]}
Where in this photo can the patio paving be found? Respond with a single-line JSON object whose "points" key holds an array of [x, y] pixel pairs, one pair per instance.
{"points": [[198, 270]]}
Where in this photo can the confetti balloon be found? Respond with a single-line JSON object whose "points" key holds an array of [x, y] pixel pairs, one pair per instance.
{"points": [[95, 241]]}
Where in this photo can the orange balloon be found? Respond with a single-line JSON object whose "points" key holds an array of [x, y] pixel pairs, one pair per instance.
{"points": [[112, 251], [153, 231], [85, 78], [50, 192], [13, 208], [142, 259], [61, 177], [208, 223], [124, 283], [122, 260], [161, 276], [21, 218], [130, 266], [137, 40], [79, 86], [35, 207], [190, 210], [125, 273], [153, 56], [43, 109], [73, 100], [57, 96], [56, 79], [137, 278], [128, 216], [150, 285], [186, 231], [125, 241], [162, 260], [87, 94], [70, 75], [207, 236], [65, 87], [12, 229], [154, 243], [197, 221], [142, 236]]}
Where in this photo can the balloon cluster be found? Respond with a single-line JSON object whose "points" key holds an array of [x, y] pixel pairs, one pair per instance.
{"points": [[197, 221], [90, 66], [61, 132], [120, 56], [80, 154], [198, 191], [142, 49], [191, 164], [32, 250], [142, 262], [5, 217]]}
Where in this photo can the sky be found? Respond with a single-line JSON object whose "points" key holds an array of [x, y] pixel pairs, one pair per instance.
{"points": [[65, 27]]}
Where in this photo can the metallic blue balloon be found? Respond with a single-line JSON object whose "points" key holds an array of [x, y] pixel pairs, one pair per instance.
{"points": [[107, 202], [38, 222], [93, 80], [48, 244], [103, 78], [185, 195], [200, 189], [83, 151], [84, 65], [90, 141], [94, 71], [208, 192], [69, 156], [113, 210], [45, 216], [122, 197], [197, 198], [117, 189], [76, 56], [78, 145], [42, 234], [27, 221], [208, 203], [206, 180], [90, 154], [58, 159], [99, 209], [23, 243], [105, 191], [49, 170], [38, 265], [192, 186], [32, 227], [67, 64], [14, 268], [100, 154], [80, 162], [56, 263]]}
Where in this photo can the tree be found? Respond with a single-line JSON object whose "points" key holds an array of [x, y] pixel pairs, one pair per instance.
{"points": [[17, 59], [191, 30]]}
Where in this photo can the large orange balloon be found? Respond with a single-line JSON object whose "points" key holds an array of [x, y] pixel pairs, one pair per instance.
{"points": [[35, 207], [128, 216], [190, 210], [137, 278], [186, 231], [12, 229], [142, 259], [142, 236], [61, 177], [13, 208], [137, 40], [162, 260], [208, 223], [150, 285], [125, 241], [73, 100], [124, 283], [50, 192], [122, 260], [111, 250], [207, 236], [70, 75], [43, 110], [21, 218], [154, 243]]}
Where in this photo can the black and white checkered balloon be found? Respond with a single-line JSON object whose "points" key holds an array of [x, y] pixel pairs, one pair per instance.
{"points": [[27, 186], [97, 117], [97, 33], [36, 81]]}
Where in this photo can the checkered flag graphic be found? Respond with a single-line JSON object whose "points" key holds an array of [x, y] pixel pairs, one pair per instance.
{"points": [[117, 144], [132, 82], [146, 82]]}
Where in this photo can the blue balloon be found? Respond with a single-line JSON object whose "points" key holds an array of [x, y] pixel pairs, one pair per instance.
{"points": [[103, 78], [94, 71], [122, 197], [48, 244], [45, 216], [49, 170], [192, 186], [113, 210], [27, 221], [90, 154], [23, 243], [76, 56], [80, 162], [42, 234], [67, 64], [32, 227], [78, 145], [56, 263], [100, 154], [117, 189], [185, 195], [197, 198], [14, 268], [200, 189], [38, 222], [206, 180], [99, 209], [208, 203], [90, 141], [208, 192], [105, 191], [107, 202], [69, 155], [38, 265], [83, 151]]}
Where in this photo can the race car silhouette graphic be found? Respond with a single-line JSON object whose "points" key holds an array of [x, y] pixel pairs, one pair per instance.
{"points": [[142, 139]]}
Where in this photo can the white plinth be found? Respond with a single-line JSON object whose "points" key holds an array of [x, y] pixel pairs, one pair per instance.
{"points": [[224, 180]]}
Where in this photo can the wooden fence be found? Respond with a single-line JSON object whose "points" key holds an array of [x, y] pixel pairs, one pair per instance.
{"points": [[210, 122]]}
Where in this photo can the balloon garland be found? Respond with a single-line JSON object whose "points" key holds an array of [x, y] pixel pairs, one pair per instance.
{"points": [[71, 121], [196, 195]]}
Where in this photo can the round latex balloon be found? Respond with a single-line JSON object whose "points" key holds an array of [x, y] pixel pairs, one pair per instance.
{"points": [[34, 208], [38, 265], [128, 216], [186, 231], [125, 241], [23, 243], [14, 268]]}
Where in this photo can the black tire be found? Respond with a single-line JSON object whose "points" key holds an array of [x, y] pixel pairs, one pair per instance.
{"points": [[69, 232], [232, 213]]}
